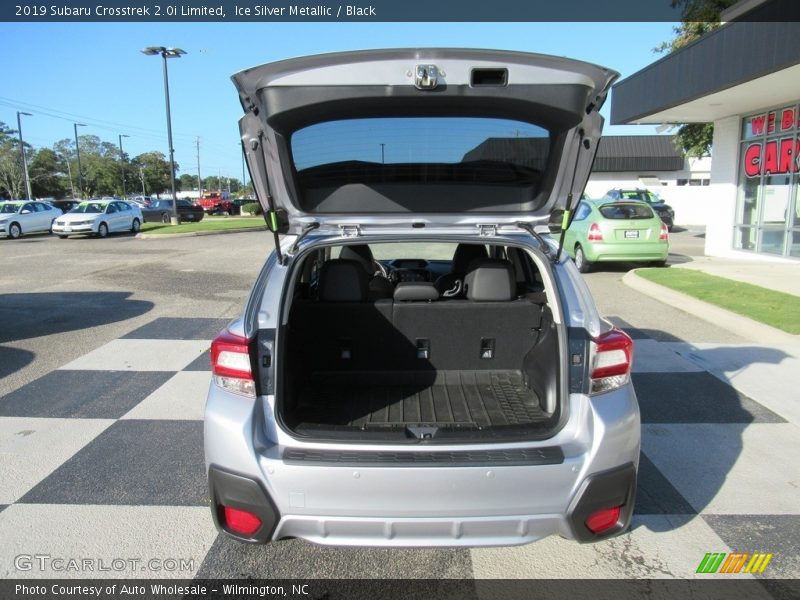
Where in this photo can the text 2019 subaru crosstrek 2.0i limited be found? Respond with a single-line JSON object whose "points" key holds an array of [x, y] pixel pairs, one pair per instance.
{"points": [[418, 362]]}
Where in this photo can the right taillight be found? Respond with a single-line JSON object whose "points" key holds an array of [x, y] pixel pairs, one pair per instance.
{"points": [[611, 361], [595, 235], [230, 364], [664, 233]]}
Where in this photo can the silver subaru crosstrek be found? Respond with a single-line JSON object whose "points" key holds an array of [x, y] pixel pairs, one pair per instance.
{"points": [[418, 362]]}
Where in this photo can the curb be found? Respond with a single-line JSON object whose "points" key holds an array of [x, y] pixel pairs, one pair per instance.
{"points": [[161, 236], [726, 319]]}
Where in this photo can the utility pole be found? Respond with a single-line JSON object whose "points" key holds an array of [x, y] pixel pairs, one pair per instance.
{"points": [[383, 156], [141, 176], [78, 152], [122, 162], [69, 172], [22, 151], [199, 179]]}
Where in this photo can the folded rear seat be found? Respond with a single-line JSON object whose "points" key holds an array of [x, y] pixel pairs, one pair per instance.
{"points": [[490, 330]]}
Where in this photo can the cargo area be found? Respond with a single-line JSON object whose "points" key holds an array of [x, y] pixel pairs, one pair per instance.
{"points": [[398, 359]]}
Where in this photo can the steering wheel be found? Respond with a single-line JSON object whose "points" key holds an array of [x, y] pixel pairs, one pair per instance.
{"points": [[379, 268]]}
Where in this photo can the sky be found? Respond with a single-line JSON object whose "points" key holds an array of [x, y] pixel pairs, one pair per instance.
{"points": [[94, 73]]}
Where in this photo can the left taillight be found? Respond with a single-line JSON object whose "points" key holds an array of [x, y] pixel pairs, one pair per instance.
{"points": [[611, 361], [231, 365]]}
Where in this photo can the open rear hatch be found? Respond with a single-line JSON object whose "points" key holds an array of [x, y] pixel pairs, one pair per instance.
{"points": [[354, 143], [430, 136]]}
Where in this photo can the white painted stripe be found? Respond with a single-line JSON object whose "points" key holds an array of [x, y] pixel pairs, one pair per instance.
{"points": [[767, 374], [182, 397], [141, 355], [105, 533], [732, 469], [32, 448]]}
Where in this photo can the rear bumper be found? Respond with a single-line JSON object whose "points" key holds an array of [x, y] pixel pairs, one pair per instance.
{"points": [[607, 252], [481, 505], [611, 488]]}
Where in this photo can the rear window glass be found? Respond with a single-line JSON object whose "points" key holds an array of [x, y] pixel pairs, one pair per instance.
{"points": [[626, 211], [423, 149]]}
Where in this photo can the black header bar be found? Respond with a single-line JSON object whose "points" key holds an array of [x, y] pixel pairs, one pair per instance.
{"points": [[270, 11]]}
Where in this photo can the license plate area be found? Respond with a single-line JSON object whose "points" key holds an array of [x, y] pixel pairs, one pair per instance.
{"points": [[67, 228], [631, 234]]}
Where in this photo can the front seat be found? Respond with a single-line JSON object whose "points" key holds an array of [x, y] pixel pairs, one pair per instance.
{"points": [[451, 285], [379, 286]]}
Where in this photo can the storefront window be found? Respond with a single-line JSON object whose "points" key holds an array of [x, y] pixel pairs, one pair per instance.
{"points": [[745, 238], [794, 244], [768, 203]]}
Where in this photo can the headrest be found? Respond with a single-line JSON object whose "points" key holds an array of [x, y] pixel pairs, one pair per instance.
{"points": [[360, 253], [490, 280], [415, 290], [465, 254], [343, 281]]}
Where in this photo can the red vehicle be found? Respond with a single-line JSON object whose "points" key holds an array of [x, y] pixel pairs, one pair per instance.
{"points": [[216, 203]]}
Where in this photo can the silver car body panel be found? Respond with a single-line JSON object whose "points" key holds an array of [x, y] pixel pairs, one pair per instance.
{"points": [[422, 506]]}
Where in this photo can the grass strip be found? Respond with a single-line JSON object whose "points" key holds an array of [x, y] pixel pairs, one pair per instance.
{"points": [[207, 224], [770, 307]]}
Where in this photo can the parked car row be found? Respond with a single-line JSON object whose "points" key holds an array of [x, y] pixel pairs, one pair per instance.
{"points": [[97, 216]]}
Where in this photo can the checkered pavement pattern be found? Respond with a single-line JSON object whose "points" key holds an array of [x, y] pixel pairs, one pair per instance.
{"points": [[103, 458]]}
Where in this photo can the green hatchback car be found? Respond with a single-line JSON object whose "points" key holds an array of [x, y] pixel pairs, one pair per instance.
{"points": [[616, 231]]}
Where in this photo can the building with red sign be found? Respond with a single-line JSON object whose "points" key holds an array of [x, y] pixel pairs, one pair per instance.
{"points": [[745, 78]]}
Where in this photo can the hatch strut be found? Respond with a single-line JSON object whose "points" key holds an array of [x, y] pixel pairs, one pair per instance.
{"points": [[270, 216], [566, 220]]}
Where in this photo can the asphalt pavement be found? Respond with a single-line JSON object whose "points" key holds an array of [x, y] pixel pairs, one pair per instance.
{"points": [[93, 472]]}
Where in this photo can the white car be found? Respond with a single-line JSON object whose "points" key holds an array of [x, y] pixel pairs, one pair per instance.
{"points": [[19, 217], [99, 217]]}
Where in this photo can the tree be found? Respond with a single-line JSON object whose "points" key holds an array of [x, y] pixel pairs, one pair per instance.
{"points": [[47, 171], [698, 18], [12, 175], [154, 167], [187, 182]]}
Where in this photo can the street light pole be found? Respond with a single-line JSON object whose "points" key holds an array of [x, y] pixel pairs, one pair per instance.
{"points": [[165, 54], [22, 151], [199, 179], [122, 161], [78, 151]]}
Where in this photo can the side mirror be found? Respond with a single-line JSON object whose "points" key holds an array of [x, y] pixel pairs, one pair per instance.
{"points": [[25, 212]]}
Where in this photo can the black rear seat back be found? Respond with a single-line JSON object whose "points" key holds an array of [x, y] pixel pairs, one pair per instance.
{"points": [[343, 280], [490, 331], [343, 330]]}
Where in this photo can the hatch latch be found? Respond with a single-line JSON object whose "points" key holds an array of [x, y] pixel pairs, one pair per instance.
{"points": [[426, 77], [487, 230], [350, 231]]}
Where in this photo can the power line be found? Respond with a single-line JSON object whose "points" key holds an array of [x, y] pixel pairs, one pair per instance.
{"points": [[68, 116]]}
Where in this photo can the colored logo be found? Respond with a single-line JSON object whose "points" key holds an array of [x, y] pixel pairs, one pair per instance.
{"points": [[737, 562]]}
